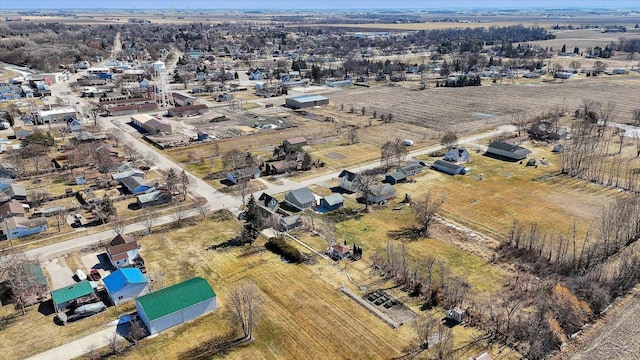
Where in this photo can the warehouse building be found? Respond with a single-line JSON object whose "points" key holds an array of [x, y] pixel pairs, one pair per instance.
{"points": [[305, 101], [176, 304]]}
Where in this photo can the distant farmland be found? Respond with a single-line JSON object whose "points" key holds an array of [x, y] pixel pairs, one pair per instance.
{"points": [[473, 108]]}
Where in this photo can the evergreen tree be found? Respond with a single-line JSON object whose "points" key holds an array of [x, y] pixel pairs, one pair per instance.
{"points": [[253, 222], [306, 161], [107, 208]]}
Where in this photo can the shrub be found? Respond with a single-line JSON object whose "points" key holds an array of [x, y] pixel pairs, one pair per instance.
{"points": [[280, 247]]}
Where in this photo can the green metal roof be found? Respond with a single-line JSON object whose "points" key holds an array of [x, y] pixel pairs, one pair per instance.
{"points": [[72, 292], [37, 275], [175, 298]]}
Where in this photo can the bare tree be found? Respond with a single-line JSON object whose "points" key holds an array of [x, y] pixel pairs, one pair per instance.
{"points": [[103, 160], [117, 225], [449, 139], [137, 331], [386, 154], [115, 134], [147, 218], [150, 158], [399, 151], [130, 151], [113, 345], [363, 111], [444, 346], [59, 218], [245, 302], [21, 280], [352, 136], [363, 183], [180, 212], [329, 231], [233, 159], [92, 113], [171, 180], [201, 205], [519, 119], [184, 181], [425, 328], [636, 116], [426, 208]]}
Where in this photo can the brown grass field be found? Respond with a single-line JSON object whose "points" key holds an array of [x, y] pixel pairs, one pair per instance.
{"points": [[475, 108], [512, 191]]}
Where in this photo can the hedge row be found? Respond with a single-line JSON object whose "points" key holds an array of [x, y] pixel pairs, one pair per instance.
{"points": [[287, 251]]}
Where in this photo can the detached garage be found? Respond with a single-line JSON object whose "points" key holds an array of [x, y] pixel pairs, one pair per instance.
{"points": [[176, 304], [305, 101]]}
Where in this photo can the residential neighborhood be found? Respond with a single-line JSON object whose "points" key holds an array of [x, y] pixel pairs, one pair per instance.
{"points": [[331, 181]]}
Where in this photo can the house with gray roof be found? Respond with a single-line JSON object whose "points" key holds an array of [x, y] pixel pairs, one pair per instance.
{"points": [[504, 151], [411, 169], [302, 198], [136, 185], [332, 202], [153, 198], [381, 192], [395, 178], [15, 192]]}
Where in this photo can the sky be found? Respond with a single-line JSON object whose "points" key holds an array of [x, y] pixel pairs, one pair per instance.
{"points": [[310, 4]]}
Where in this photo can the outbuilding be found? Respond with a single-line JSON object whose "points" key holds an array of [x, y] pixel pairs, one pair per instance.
{"points": [[449, 167], [411, 169], [126, 284], [305, 101], [301, 199], [332, 202], [64, 297], [176, 304], [395, 178], [505, 151]]}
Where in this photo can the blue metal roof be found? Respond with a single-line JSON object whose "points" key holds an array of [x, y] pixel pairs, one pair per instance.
{"points": [[308, 98], [121, 277]]}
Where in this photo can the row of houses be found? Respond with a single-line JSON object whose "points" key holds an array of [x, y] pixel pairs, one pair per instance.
{"points": [[16, 224]]}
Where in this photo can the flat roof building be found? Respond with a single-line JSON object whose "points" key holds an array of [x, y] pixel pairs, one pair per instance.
{"points": [[305, 101]]}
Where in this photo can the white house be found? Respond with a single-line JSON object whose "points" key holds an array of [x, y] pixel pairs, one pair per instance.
{"points": [[126, 284], [347, 180], [122, 251], [177, 304]]}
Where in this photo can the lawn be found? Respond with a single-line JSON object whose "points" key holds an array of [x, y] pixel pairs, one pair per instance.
{"points": [[512, 191], [302, 315]]}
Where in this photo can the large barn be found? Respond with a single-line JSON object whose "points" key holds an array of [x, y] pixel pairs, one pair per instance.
{"points": [[305, 101], [176, 304], [505, 151]]}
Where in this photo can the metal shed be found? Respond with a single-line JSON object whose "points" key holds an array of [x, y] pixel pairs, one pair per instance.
{"points": [[176, 304], [305, 101], [449, 167]]}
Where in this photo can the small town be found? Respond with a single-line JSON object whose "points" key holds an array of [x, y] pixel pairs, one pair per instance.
{"points": [[325, 181]]}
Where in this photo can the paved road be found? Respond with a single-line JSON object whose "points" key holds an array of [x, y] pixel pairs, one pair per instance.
{"points": [[290, 184], [81, 346]]}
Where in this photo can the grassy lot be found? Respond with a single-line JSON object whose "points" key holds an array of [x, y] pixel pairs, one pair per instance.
{"points": [[24, 336], [512, 191], [301, 314]]}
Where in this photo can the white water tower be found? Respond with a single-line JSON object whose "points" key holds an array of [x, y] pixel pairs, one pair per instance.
{"points": [[162, 81]]}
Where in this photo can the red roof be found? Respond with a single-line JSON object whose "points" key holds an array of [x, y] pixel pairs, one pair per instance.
{"points": [[342, 249], [297, 140], [11, 207]]}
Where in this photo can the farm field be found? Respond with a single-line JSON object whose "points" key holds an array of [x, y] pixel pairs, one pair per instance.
{"points": [[615, 337], [477, 108]]}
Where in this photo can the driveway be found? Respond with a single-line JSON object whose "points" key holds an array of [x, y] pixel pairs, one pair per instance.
{"points": [[61, 275], [92, 261]]}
